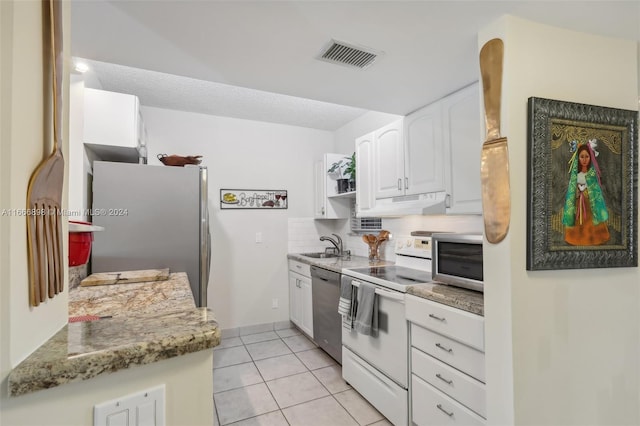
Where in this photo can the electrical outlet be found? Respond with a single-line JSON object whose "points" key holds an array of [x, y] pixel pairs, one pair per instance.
{"points": [[274, 303], [258, 237]]}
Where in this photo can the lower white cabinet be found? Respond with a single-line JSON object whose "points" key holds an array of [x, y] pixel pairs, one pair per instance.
{"points": [[447, 375], [300, 296]]}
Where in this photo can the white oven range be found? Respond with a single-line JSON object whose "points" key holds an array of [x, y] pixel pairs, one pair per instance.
{"points": [[376, 366]]}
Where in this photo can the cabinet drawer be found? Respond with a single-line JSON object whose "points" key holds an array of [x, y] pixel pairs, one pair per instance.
{"points": [[300, 267], [464, 389], [457, 355], [459, 325], [432, 407]]}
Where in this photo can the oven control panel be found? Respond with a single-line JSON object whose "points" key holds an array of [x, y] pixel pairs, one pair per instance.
{"points": [[414, 246]]}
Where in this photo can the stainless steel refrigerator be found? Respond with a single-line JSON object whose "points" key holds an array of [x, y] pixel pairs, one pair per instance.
{"points": [[153, 217]]}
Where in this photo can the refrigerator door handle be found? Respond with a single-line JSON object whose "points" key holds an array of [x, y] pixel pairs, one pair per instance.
{"points": [[205, 238]]}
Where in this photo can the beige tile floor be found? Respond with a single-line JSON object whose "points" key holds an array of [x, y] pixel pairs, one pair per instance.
{"points": [[281, 378]]}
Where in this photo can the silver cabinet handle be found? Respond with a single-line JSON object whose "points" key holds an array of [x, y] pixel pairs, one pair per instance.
{"points": [[449, 382], [444, 411], [323, 211], [443, 348], [441, 319], [406, 183], [399, 184]]}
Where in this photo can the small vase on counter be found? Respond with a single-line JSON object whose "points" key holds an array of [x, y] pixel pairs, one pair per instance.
{"points": [[374, 242]]}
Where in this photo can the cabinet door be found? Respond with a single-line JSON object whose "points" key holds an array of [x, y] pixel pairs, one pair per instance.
{"points": [[306, 300], [463, 141], [295, 299], [389, 161], [424, 151], [365, 194], [110, 119], [320, 197]]}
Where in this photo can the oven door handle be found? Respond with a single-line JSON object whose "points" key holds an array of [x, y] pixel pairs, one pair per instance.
{"points": [[394, 295]]}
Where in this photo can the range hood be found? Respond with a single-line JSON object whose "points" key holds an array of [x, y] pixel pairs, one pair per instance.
{"points": [[419, 204]]}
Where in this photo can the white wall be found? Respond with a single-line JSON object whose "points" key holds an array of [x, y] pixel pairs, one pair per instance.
{"points": [[23, 329], [244, 154], [573, 334], [188, 394]]}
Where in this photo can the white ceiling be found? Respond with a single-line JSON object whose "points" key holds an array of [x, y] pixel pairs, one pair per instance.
{"points": [[236, 58]]}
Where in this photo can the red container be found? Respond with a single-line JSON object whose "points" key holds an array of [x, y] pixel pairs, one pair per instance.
{"points": [[80, 246]]}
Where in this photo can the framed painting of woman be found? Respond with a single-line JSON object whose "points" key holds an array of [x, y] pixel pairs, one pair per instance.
{"points": [[582, 188]]}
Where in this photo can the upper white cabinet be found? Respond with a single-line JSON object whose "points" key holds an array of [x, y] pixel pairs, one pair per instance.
{"points": [[462, 130], [432, 154], [388, 157], [365, 194], [424, 150], [408, 155], [113, 126], [328, 203]]}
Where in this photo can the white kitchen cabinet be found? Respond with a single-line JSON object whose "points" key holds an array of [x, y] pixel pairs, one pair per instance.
{"points": [[433, 152], [113, 126], [462, 129], [424, 151], [365, 194], [408, 155], [447, 364], [300, 296], [388, 160], [328, 203]]}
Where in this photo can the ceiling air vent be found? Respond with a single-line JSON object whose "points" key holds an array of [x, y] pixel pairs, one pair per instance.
{"points": [[339, 52]]}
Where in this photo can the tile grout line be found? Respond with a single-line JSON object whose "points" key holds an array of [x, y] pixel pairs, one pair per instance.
{"points": [[265, 382]]}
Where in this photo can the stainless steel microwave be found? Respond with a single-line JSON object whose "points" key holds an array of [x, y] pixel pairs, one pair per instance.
{"points": [[457, 260]]}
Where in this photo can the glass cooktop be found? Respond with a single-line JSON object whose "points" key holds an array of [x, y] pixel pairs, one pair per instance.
{"points": [[391, 276]]}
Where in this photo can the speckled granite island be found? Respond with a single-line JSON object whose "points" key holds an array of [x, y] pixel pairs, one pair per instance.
{"points": [[149, 322]]}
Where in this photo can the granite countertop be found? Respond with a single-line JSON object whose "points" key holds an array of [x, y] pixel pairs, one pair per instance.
{"points": [[150, 322], [466, 300], [337, 264], [132, 299]]}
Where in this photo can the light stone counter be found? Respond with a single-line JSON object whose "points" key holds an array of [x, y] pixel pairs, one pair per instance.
{"points": [[337, 264], [132, 299], [467, 300], [150, 322]]}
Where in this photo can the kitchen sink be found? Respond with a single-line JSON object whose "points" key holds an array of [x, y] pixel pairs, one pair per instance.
{"points": [[321, 255]]}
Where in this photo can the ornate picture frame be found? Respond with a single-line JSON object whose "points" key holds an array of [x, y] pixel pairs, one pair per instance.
{"points": [[582, 186]]}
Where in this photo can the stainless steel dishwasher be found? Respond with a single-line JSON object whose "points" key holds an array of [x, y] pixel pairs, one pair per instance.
{"points": [[327, 323]]}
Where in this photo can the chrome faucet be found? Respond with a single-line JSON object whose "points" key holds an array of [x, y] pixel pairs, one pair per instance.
{"points": [[337, 244]]}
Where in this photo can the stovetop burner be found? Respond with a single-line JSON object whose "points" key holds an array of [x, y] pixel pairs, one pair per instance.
{"points": [[395, 273], [413, 266]]}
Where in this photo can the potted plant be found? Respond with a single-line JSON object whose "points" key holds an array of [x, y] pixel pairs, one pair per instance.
{"points": [[338, 171], [351, 171]]}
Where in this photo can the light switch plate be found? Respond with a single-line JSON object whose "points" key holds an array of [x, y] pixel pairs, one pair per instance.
{"points": [[144, 408]]}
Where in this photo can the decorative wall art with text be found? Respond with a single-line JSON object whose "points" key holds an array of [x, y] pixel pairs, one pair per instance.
{"points": [[253, 199], [582, 183]]}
